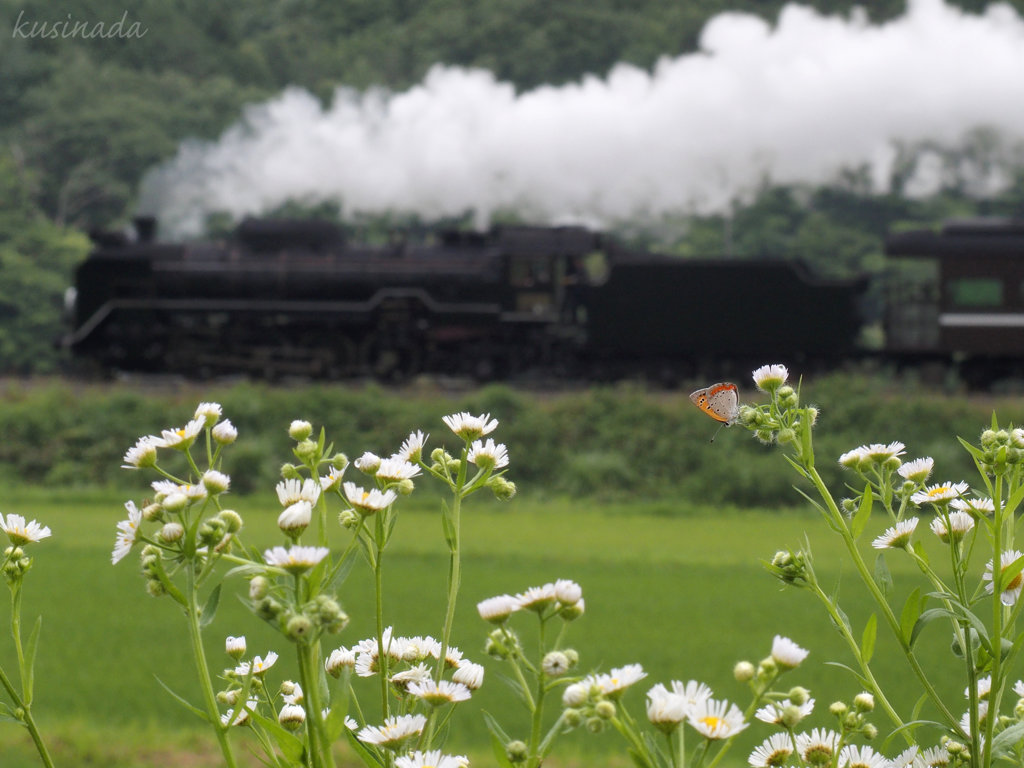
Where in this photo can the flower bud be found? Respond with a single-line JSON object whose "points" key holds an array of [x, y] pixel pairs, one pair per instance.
{"points": [[349, 519], [172, 532], [295, 518], [870, 731], [299, 430], [555, 663], [339, 461], [225, 433], [502, 489], [298, 627], [864, 702], [174, 502], [232, 520], [572, 655], [155, 588], [152, 512], [339, 660], [838, 708], [572, 718], [605, 709], [575, 695], [216, 482], [574, 611], [368, 463], [290, 472], [405, 486], [291, 717], [744, 672], [799, 695], [235, 647], [259, 586], [517, 751], [306, 450], [786, 435]]}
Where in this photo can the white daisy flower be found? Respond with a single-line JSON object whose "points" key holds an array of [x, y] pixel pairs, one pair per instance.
{"points": [[432, 759], [918, 470], [965, 721], [412, 448], [470, 427], [259, 665], [127, 531], [775, 712], [215, 482], [295, 518], [497, 609], [368, 463], [773, 751], [437, 693], [20, 532], [960, 523], [940, 492], [537, 598], [291, 692], [852, 756], [786, 653], [469, 674], [395, 732], [935, 757], [768, 378], [368, 502], [294, 490], [716, 719], [880, 453], [332, 480], [1018, 688], [419, 648], [488, 455], [818, 746], [181, 438], [568, 592], [142, 454], [225, 432], [666, 709], [576, 694], [693, 691], [395, 469], [1011, 590], [340, 658], [297, 559], [241, 717], [208, 413], [983, 507], [898, 536], [614, 683], [906, 759], [984, 687], [418, 674], [853, 459]]}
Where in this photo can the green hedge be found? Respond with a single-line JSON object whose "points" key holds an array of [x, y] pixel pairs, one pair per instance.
{"points": [[603, 442]]}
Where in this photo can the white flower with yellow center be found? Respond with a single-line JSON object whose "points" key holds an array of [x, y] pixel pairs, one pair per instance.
{"points": [[614, 683], [241, 716], [395, 469], [470, 427], [918, 470], [497, 609], [412, 448], [295, 560], [898, 536], [983, 507], [1010, 589], [395, 732], [432, 759], [436, 693], [881, 453], [368, 502], [142, 454], [258, 666], [294, 490], [768, 378], [127, 532], [180, 438], [332, 480], [939, 493], [852, 756], [786, 653], [959, 524], [773, 751], [716, 719], [818, 746], [20, 532], [488, 455], [778, 712], [666, 709]]}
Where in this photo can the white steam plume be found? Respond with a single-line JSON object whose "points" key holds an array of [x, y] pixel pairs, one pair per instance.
{"points": [[796, 102]]}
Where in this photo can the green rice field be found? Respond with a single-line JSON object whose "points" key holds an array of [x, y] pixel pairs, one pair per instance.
{"points": [[676, 587]]}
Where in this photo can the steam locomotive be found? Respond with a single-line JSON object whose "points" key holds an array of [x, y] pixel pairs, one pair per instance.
{"points": [[282, 297]]}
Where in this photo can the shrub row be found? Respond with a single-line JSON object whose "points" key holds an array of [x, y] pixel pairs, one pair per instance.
{"points": [[605, 442]]}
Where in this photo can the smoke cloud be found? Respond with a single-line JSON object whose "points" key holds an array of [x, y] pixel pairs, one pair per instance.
{"points": [[795, 102]]}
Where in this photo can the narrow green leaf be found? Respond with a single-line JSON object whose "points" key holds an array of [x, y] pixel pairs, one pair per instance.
{"points": [[368, 756], [867, 640], [883, 577], [183, 701], [500, 755], [289, 744], [1006, 740], [209, 609], [865, 683], [908, 616], [28, 674], [863, 515]]}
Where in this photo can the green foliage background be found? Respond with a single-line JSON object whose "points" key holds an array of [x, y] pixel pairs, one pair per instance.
{"points": [[81, 120]]}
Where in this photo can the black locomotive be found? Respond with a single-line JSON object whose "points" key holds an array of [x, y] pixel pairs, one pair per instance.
{"points": [[294, 297], [285, 296]]}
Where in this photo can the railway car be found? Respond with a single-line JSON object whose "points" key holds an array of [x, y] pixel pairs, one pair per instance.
{"points": [[282, 297], [970, 314]]}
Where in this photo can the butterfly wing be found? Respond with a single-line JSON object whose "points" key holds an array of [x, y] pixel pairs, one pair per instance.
{"points": [[719, 401]]}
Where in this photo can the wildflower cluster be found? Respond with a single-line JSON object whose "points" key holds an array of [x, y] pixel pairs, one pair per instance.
{"points": [[781, 420], [293, 587], [981, 613]]}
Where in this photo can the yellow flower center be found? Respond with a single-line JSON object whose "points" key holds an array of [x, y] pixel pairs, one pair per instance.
{"points": [[939, 491], [712, 722]]}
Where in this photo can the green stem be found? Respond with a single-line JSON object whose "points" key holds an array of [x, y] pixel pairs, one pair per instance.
{"points": [[203, 671], [876, 593], [454, 563], [25, 713], [319, 744], [997, 623]]}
